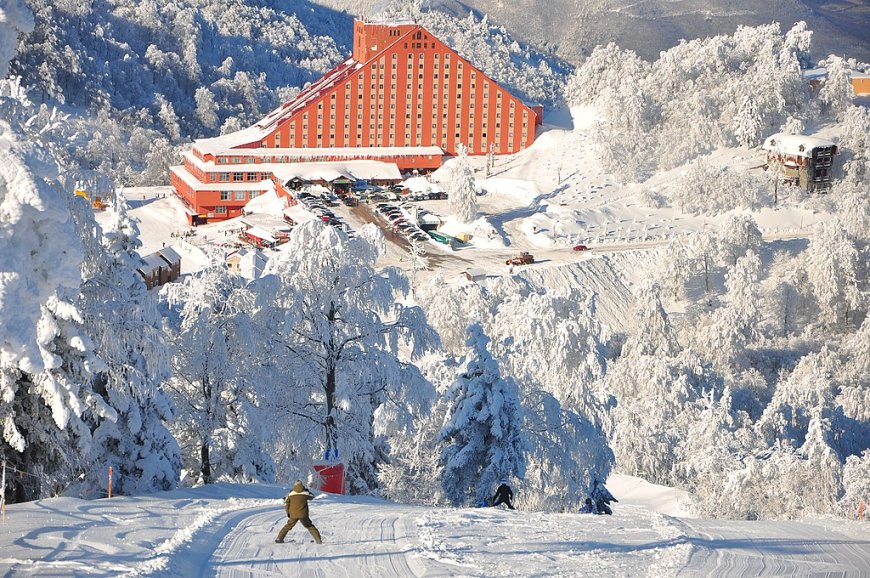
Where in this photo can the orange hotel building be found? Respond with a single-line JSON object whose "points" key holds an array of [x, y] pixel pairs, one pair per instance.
{"points": [[403, 98]]}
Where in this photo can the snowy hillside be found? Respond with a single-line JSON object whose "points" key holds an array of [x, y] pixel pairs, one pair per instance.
{"points": [[227, 530], [652, 26]]}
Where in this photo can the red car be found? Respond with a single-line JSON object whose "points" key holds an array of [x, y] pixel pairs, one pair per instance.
{"points": [[581, 248]]}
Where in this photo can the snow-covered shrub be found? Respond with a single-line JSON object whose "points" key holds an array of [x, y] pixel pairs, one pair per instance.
{"points": [[709, 189]]}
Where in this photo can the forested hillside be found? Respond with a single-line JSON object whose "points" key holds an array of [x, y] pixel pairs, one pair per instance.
{"points": [[137, 79]]}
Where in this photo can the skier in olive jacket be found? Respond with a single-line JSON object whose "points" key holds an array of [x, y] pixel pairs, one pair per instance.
{"points": [[296, 505]]}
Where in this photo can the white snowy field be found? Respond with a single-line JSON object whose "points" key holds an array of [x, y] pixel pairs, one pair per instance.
{"points": [[229, 530]]}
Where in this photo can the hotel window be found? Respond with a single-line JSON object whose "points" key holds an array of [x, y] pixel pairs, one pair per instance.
{"points": [[225, 195], [238, 177], [220, 210], [252, 176], [241, 195]]}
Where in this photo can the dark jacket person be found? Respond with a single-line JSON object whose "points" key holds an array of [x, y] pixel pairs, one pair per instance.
{"points": [[503, 495], [296, 505]]}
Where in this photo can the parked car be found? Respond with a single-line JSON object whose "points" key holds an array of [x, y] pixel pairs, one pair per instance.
{"points": [[523, 258], [581, 248]]}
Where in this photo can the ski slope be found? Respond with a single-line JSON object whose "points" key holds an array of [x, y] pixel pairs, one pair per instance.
{"points": [[228, 531]]}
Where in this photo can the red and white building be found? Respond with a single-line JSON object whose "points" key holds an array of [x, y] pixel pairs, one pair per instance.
{"points": [[403, 98]]}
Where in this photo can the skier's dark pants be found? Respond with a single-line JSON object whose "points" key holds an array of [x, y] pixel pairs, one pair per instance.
{"points": [[505, 501], [306, 523]]}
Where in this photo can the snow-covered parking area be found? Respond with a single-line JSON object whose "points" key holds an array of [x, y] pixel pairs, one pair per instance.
{"points": [[229, 530]]}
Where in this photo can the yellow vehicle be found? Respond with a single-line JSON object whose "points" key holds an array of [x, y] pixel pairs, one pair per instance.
{"points": [[98, 204]]}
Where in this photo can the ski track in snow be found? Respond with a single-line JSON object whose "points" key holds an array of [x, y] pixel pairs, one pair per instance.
{"points": [[774, 548], [229, 531]]}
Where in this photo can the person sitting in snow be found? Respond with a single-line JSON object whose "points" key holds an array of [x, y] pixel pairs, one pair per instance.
{"points": [[503, 495], [296, 506], [588, 507], [602, 498]]}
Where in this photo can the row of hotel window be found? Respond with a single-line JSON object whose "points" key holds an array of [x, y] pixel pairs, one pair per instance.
{"points": [[239, 195]]}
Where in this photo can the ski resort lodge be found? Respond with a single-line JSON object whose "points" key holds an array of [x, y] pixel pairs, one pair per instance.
{"points": [[399, 103], [805, 161]]}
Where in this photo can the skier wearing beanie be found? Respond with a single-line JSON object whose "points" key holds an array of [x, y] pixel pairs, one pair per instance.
{"points": [[296, 505], [503, 494]]}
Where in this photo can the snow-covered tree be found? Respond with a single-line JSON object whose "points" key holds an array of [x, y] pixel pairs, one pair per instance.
{"points": [[748, 123], [450, 307], [221, 420], [206, 107], [461, 189], [482, 433], [832, 266], [123, 319], [836, 92], [46, 357], [856, 484], [738, 234], [339, 323]]}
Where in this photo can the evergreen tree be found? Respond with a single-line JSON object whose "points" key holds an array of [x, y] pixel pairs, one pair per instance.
{"points": [[483, 428], [461, 189], [123, 319]]}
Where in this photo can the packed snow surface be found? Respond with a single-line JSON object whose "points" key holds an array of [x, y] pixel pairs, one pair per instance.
{"points": [[229, 530]]}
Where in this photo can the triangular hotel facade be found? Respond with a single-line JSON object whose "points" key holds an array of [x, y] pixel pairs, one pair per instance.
{"points": [[403, 98]]}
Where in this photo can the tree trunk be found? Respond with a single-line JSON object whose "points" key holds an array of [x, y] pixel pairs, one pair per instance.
{"points": [[205, 463], [329, 389]]}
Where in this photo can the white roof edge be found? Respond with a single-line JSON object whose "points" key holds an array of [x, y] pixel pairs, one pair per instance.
{"points": [[793, 143]]}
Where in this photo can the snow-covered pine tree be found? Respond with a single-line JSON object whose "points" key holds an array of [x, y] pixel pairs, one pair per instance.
{"points": [[127, 328], [461, 189], [46, 357], [483, 431]]}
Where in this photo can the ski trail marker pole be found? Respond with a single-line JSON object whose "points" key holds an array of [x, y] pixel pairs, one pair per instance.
{"points": [[110, 481]]}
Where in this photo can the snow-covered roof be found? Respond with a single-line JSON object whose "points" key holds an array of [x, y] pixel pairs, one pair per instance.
{"points": [[151, 262], [299, 214], [251, 261], [268, 202], [313, 154], [329, 171], [794, 144], [267, 221], [230, 140], [169, 254], [262, 234], [422, 185]]}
